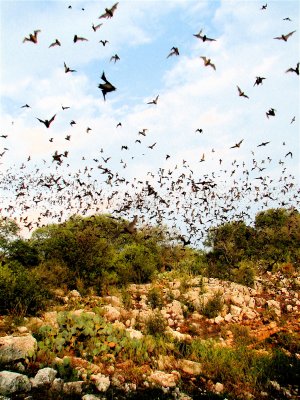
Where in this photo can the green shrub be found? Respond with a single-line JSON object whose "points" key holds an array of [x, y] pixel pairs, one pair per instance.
{"points": [[244, 273], [155, 298], [155, 325], [214, 306], [135, 264], [21, 291]]}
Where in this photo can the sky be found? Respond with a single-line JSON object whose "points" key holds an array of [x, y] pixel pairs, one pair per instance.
{"points": [[198, 118]]}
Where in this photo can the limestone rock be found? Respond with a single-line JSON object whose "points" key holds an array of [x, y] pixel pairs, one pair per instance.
{"points": [[178, 335], [113, 301], [14, 348], [73, 388], [44, 377], [57, 385], [13, 382], [274, 305], [101, 382], [235, 311], [219, 387], [111, 313], [74, 294], [190, 367], [162, 379], [50, 318], [134, 334]]}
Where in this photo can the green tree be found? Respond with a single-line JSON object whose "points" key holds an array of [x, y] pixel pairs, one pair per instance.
{"points": [[9, 231]]}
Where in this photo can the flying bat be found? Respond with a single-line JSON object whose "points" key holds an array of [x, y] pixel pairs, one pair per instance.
{"points": [[294, 69], [154, 101], [78, 38], [47, 122], [237, 145], [263, 144], [258, 80], [285, 37], [96, 27], [32, 37], [106, 87], [67, 69], [174, 52], [207, 62], [204, 38], [115, 58], [55, 43], [241, 93], [271, 112], [109, 12]]}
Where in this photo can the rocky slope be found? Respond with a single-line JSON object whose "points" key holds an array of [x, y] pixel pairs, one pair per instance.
{"points": [[187, 311]]}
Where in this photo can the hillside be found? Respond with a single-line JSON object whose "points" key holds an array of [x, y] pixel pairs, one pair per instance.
{"points": [[178, 337]]}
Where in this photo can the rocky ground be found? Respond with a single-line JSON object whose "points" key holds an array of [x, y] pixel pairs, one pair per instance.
{"points": [[270, 307]]}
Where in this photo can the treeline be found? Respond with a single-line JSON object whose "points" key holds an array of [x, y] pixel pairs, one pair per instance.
{"points": [[95, 253]]}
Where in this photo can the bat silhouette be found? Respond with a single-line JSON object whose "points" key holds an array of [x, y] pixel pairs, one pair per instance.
{"points": [[258, 80], [55, 43], [174, 52], [294, 69], [207, 62], [32, 37], [154, 101], [47, 122], [106, 87], [109, 12], [241, 93], [96, 27], [237, 145], [204, 38], [67, 69], [78, 38], [285, 37]]}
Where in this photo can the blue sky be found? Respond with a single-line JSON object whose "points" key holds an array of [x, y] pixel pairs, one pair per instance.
{"points": [[191, 96]]}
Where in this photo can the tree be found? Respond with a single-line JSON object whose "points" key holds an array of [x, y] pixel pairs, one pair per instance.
{"points": [[9, 231]]}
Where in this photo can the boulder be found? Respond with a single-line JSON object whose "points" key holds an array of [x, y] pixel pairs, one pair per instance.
{"points": [[13, 382], [44, 377], [14, 348], [101, 382], [111, 313], [162, 379], [73, 388], [134, 334], [190, 367]]}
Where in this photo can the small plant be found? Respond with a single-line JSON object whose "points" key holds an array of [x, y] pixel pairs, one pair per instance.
{"points": [[155, 325], [155, 298], [214, 306], [66, 371], [241, 334], [126, 298]]}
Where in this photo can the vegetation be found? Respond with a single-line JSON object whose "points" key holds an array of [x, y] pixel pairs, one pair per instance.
{"points": [[95, 253]]}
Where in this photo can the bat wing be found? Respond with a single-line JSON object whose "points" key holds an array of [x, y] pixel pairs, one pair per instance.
{"points": [[52, 119], [289, 34], [103, 77], [114, 7]]}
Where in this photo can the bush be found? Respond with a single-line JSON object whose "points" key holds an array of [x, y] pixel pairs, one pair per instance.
{"points": [[135, 264], [244, 273], [214, 306], [155, 325], [155, 298], [21, 291]]}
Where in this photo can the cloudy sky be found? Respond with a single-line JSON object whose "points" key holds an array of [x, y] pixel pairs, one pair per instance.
{"points": [[192, 96]]}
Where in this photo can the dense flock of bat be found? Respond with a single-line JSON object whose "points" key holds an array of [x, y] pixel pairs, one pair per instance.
{"points": [[178, 197]]}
